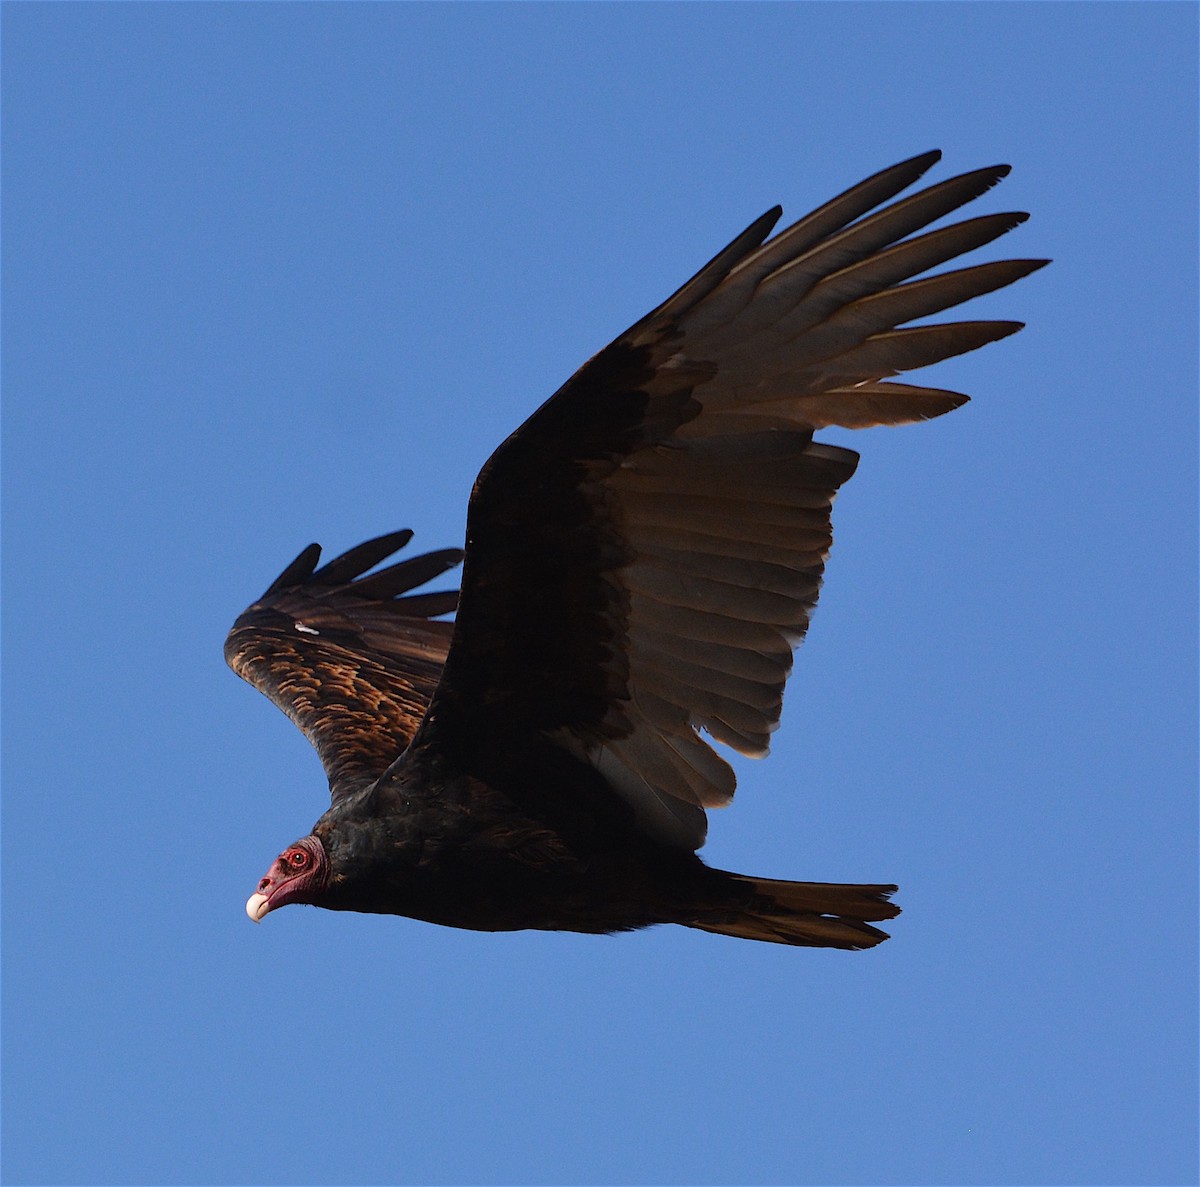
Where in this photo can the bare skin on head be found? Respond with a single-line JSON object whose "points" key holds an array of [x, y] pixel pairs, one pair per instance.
{"points": [[298, 875]]}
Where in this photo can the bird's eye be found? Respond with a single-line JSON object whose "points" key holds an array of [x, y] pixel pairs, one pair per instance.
{"points": [[298, 858]]}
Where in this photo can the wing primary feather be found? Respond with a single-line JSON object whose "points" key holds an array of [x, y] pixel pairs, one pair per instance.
{"points": [[932, 294], [363, 557], [835, 214], [714, 271], [406, 575], [911, 347], [299, 571], [428, 605], [910, 257]]}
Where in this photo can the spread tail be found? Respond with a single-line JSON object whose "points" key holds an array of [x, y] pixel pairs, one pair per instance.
{"points": [[815, 914]]}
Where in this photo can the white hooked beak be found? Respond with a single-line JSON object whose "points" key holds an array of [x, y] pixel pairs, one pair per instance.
{"points": [[256, 907]]}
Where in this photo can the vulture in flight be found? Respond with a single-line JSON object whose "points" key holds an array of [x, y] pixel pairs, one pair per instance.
{"points": [[642, 556]]}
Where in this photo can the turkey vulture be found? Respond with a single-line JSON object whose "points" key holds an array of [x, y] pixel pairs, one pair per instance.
{"points": [[642, 556]]}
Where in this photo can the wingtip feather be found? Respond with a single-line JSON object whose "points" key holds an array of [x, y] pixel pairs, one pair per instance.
{"points": [[299, 570]]}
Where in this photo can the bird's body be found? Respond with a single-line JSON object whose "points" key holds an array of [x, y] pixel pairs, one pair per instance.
{"points": [[642, 556], [557, 852]]}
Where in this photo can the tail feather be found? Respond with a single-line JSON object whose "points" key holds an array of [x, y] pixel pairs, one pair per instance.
{"points": [[812, 914]]}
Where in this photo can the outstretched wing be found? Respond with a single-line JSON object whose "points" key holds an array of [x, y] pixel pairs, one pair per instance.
{"points": [[645, 551], [348, 658]]}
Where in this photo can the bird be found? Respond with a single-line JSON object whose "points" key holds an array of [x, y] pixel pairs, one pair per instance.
{"points": [[642, 557]]}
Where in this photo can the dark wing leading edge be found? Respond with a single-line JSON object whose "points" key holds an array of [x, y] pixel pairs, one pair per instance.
{"points": [[348, 658], [645, 551]]}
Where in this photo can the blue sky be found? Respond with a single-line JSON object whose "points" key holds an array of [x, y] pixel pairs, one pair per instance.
{"points": [[286, 273]]}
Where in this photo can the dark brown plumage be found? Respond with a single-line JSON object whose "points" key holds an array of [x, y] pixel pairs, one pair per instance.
{"points": [[642, 556]]}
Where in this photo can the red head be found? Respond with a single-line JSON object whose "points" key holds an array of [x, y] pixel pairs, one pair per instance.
{"points": [[299, 875]]}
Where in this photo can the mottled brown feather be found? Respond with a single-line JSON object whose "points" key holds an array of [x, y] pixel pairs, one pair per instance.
{"points": [[349, 661]]}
